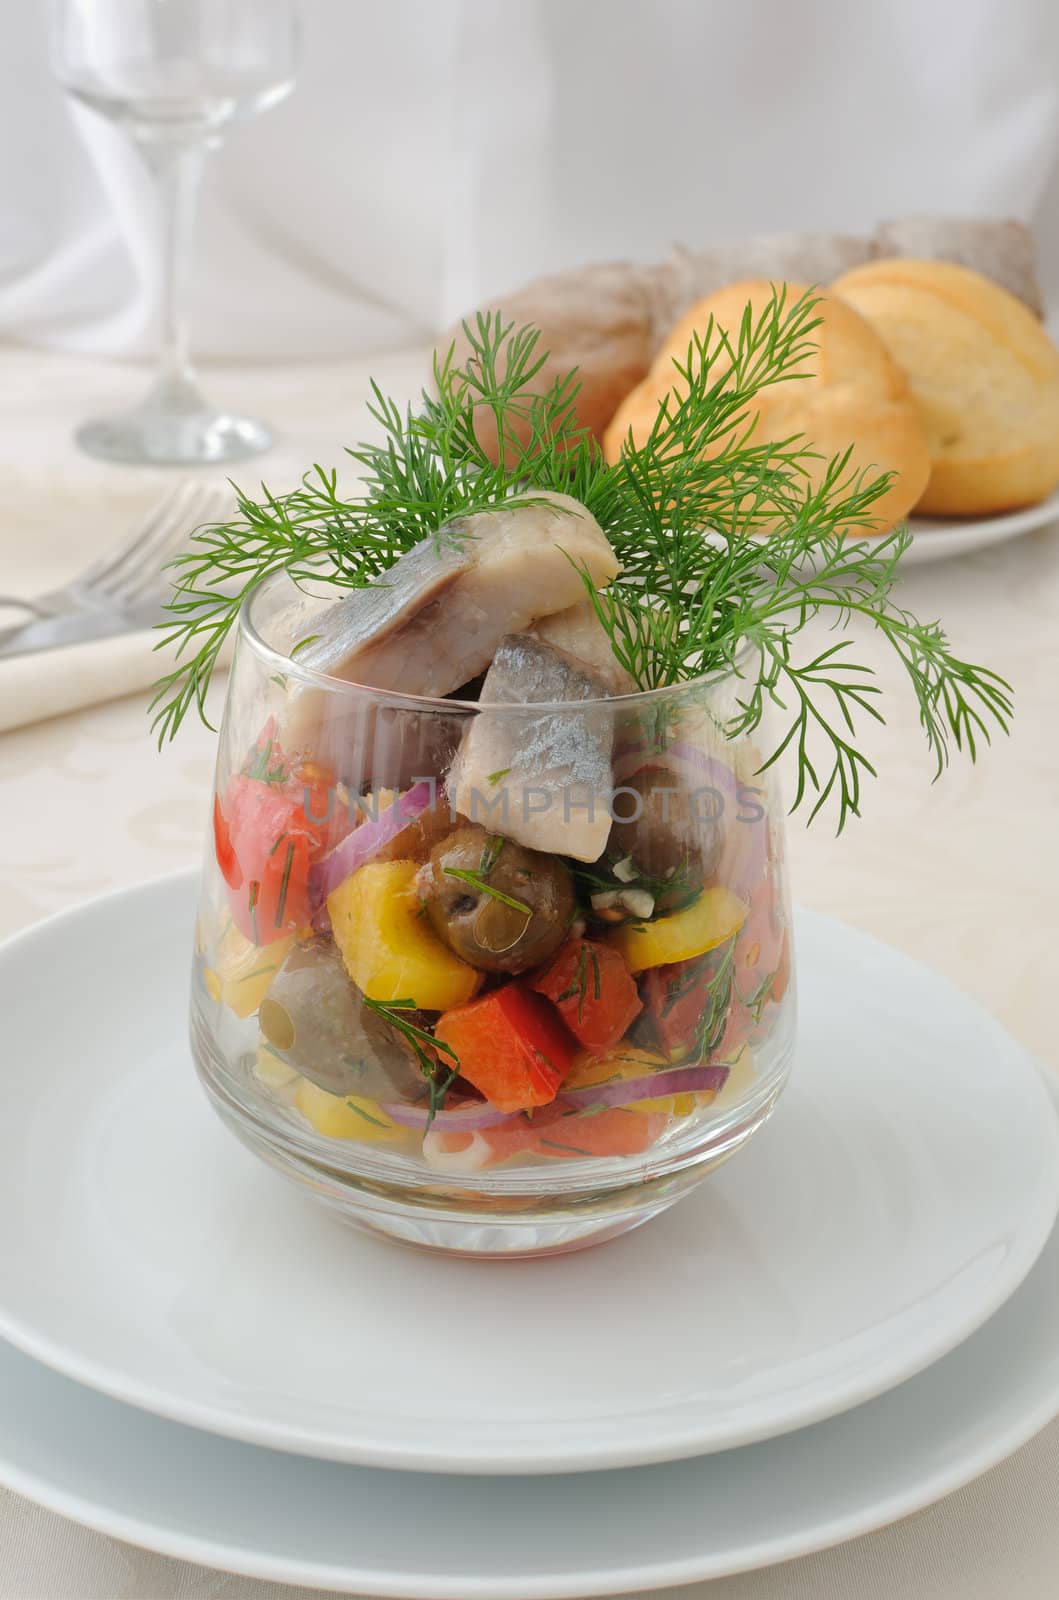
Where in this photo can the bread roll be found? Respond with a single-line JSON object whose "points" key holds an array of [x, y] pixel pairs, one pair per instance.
{"points": [[610, 320], [850, 393], [1002, 250], [688, 276], [597, 319], [984, 376]]}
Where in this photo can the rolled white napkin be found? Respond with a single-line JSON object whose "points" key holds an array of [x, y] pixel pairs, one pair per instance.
{"points": [[52, 683], [49, 683]]}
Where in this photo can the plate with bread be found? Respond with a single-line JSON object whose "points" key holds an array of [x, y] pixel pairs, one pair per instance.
{"points": [[931, 356]]}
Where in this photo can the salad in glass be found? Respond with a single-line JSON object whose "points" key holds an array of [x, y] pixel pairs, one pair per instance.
{"points": [[494, 949], [531, 920]]}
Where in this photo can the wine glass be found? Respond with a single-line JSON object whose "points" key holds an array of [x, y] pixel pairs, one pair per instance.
{"points": [[174, 74]]}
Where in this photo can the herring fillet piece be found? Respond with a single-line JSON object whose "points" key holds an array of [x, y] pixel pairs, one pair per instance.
{"points": [[539, 776], [578, 632], [433, 622]]}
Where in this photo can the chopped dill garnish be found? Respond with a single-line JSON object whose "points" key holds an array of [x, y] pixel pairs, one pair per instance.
{"points": [[572, 1149], [281, 904], [376, 1122], [491, 853], [477, 881], [579, 983], [258, 766], [421, 1043]]}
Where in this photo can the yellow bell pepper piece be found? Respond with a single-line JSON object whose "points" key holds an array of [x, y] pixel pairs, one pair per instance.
{"points": [[390, 950], [711, 919], [741, 1078], [271, 1069], [347, 1117], [629, 1062], [242, 972]]}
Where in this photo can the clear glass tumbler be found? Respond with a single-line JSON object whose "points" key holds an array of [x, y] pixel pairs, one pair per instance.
{"points": [[494, 1013], [174, 74]]}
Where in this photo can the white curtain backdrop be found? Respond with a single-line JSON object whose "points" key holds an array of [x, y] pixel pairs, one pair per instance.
{"points": [[435, 151]]}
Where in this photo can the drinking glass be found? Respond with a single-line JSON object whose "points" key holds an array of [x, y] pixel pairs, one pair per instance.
{"points": [[517, 1066], [174, 74]]}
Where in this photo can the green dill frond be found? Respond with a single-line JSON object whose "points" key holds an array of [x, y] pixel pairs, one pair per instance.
{"points": [[730, 547]]}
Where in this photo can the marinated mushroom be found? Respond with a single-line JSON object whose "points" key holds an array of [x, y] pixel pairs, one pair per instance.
{"points": [[497, 905], [314, 1018], [665, 841], [415, 842]]}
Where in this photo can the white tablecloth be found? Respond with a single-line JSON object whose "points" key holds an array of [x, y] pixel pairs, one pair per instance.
{"points": [[964, 875]]}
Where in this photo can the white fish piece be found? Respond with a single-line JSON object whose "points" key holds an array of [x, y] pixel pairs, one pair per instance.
{"points": [[434, 621], [578, 632], [539, 776]]}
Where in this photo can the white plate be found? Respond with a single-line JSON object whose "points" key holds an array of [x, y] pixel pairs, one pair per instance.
{"points": [[297, 1521], [936, 538], [904, 1188]]}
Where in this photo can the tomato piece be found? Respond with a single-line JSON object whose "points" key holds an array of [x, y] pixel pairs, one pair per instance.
{"points": [[687, 1001], [759, 947], [222, 844], [617, 1131], [511, 1046], [264, 843], [761, 966], [551, 1132], [277, 902], [593, 991], [782, 979]]}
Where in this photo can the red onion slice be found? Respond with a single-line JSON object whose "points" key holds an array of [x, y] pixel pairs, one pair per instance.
{"points": [[620, 1092], [471, 1120], [716, 773], [366, 840], [655, 1086]]}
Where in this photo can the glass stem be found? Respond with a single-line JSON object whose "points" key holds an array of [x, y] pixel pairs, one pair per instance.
{"points": [[177, 169]]}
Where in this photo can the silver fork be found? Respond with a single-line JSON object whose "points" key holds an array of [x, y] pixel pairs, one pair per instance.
{"points": [[133, 574]]}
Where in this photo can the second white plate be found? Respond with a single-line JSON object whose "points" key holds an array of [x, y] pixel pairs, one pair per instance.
{"points": [[904, 1188], [938, 538], [199, 1498]]}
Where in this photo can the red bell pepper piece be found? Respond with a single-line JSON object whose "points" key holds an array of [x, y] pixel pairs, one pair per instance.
{"points": [[511, 1046], [594, 991]]}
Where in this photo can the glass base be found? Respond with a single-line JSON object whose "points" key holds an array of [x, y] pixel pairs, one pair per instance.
{"points": [[173, 438], [551, 1217]]}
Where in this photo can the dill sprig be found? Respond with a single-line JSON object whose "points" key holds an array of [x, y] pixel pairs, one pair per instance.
{"points": [[422, 1043], [730, 546]]}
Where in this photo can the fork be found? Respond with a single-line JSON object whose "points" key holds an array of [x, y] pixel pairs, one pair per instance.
{"points": [[132, 574]]}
